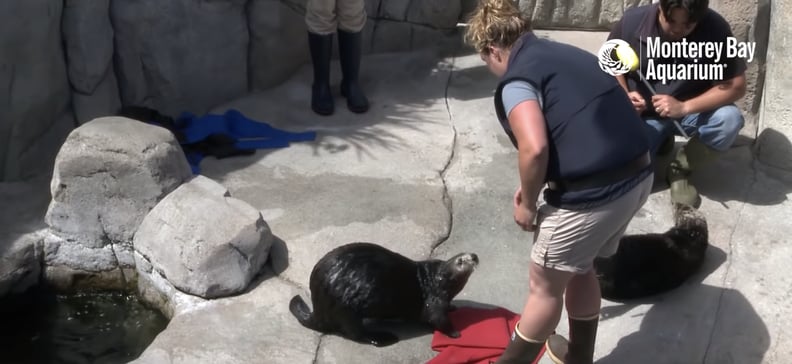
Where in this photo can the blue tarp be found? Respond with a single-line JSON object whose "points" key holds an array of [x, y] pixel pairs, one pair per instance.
{"points": [[229, 134]]}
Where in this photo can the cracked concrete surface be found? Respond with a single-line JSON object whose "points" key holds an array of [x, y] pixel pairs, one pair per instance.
{"points": [[428, 172]]}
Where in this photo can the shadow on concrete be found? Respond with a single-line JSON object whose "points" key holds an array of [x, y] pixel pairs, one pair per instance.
{"points": [[731, 332], [739, 174], [692, 322], [278, 259], [406, 91]]}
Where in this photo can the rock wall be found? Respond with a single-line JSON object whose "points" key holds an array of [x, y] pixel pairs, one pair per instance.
{"points": [[80, 60], [83, 59], [35, 97], [773, 145]]}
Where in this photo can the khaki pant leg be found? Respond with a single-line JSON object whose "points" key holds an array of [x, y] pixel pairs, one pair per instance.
{"points": [[351, 15], [320, 16]]}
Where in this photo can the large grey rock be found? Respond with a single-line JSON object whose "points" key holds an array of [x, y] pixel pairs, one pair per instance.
{"points": [[253, 328], [88, 37], [181, 55], [108, 174], [34, 89], [204, 241]]}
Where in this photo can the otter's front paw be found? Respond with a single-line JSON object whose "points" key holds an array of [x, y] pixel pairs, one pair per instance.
{"points": [[452, 334]]}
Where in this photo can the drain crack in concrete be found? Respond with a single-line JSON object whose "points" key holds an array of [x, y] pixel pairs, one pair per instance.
{"points": [[447, 201]]}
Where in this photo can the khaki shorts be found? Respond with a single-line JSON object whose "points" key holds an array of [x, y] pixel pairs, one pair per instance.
{"points": [[325, 16], [569, 240]]}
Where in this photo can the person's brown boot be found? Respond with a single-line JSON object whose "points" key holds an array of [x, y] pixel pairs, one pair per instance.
{"points": [[580, 347], [521, 350]]}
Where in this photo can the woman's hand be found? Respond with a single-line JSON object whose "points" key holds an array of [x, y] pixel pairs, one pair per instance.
{"points": [[524, 215]]}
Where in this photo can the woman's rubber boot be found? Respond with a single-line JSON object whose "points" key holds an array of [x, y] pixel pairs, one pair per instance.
{"points": [[321, 47], [580, 347], [350, 51], [521, 350]]}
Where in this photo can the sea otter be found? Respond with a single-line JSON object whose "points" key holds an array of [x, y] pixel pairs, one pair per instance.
{"points": [[361, 280], [649, 264]]}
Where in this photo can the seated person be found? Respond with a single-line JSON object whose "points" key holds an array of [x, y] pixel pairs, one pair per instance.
{"points": [[704, 108]]}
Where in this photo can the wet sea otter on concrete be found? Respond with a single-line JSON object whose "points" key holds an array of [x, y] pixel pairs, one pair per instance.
{"points": [[650, 264], [360, 281]]}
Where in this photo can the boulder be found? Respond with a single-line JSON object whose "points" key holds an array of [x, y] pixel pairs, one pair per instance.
{"points": [[108, 175], [205, 242]]}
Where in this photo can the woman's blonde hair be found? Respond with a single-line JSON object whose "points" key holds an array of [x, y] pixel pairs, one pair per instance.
{"points": [[496, 23]]}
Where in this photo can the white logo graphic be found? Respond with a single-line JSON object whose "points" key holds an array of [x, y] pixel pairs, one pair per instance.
{"points": [[681, 60], [609, 61]]}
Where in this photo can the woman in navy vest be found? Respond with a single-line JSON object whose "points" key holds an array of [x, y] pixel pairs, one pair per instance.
{"points": [[576, 133]]}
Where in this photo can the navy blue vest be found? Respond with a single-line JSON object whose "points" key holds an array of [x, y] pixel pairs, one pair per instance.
{"points": [[592, 126]]}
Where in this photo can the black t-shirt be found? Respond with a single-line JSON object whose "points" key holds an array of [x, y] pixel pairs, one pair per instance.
{"points": [[641, 29]]}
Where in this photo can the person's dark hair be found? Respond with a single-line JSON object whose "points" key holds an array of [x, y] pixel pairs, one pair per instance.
{"points": [[695, 8]]}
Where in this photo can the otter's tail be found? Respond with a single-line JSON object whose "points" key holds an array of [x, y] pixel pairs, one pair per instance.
{"points": [[300, 310]]}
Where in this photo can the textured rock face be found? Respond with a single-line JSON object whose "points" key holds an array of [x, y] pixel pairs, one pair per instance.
{"points": [[88, 37], [592, 14], [108, 174], [204, 241], [34, 88], [180, 55]]}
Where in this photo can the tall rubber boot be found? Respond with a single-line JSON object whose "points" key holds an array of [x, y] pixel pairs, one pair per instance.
{"points": [[520, 350], [321, 47], [580, 347], [350, 51], [679, 170]]}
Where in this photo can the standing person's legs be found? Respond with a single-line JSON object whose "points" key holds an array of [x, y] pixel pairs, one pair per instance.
{"points": [[320, 17], [540, 315], [598, 233], [351, 19]]}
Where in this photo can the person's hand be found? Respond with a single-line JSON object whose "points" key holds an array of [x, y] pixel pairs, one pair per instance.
{"points": [[668, 107], [524, 216], [638, 101]]}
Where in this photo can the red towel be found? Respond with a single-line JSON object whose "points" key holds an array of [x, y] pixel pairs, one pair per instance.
{"points": [[484, 334]]}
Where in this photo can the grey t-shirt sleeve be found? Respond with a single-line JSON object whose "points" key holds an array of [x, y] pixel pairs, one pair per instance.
{"points": [[518, 91]]}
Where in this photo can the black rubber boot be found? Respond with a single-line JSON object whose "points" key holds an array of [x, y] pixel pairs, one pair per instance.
{"points": [[321, 47], [350, 50], [580, 347], [520, 350]]}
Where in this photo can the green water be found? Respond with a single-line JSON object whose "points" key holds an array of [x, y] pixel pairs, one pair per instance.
{"points": [[104, 327]]}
